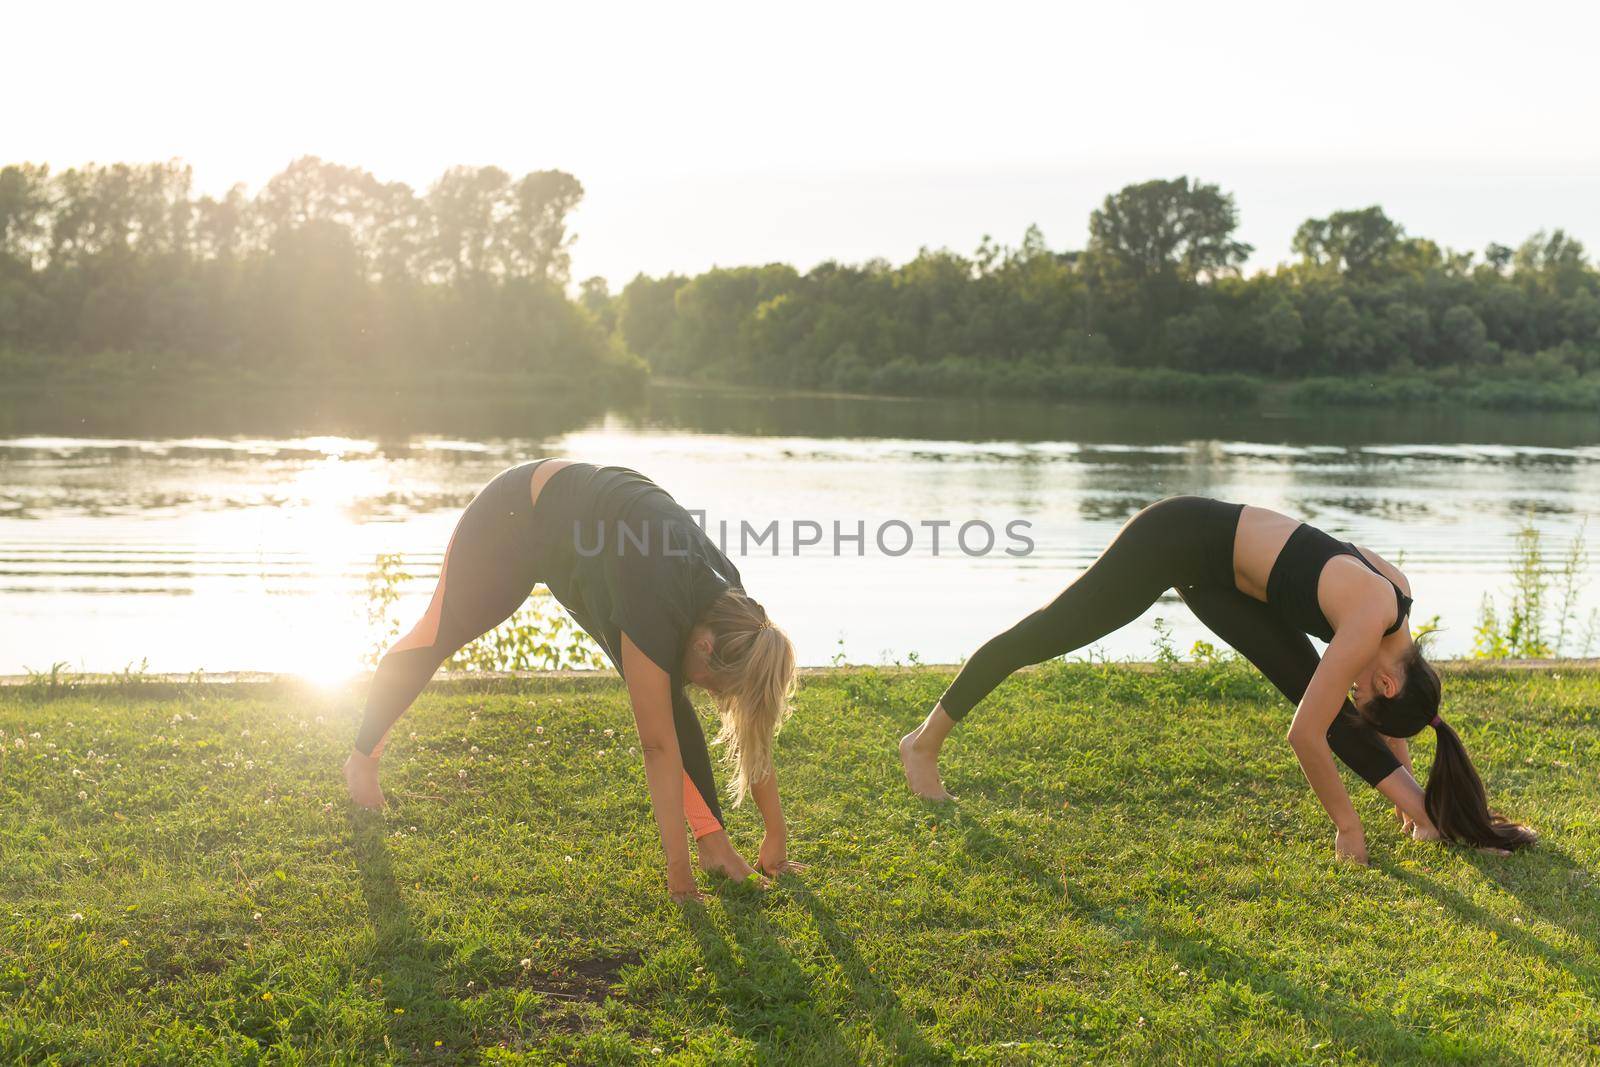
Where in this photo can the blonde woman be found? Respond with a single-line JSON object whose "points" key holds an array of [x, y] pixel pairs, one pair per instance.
{"points": [[642, 578]]}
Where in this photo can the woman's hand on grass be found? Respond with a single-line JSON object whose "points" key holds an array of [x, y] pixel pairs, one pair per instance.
{"points": [[1423, 833], [773, 858], [681, 883], [1351, 846]]}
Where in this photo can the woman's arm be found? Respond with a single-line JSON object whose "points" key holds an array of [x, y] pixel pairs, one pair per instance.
{"points": [[773, 858], [650, 691], [1353, 646], [1402, 752], [1403, 791]]}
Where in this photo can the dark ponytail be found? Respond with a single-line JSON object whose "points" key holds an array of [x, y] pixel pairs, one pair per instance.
{"points": [[1454, 798], [1456, 803]]}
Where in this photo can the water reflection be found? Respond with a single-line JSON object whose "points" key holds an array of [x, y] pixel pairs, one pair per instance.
{"points": [[199, 541]]}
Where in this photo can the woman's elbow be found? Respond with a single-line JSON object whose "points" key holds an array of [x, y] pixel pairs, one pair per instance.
{"points": [[1303, 740], [654, 748]]}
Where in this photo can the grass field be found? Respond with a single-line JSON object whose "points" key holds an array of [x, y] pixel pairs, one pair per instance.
{"points": [[1135, 872]]}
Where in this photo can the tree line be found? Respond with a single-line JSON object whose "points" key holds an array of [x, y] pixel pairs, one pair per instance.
{"points": [[326, 274], [1155, 306]]}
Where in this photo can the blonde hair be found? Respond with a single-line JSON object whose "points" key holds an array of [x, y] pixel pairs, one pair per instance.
{"points": [[754, 664]]}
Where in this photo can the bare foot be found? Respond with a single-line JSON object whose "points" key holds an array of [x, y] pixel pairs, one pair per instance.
{"points": [[361, 778], [718, 856], [921, 764]]}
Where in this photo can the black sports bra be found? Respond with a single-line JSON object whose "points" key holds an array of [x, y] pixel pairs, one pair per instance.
{"points": [[1292, 585]]}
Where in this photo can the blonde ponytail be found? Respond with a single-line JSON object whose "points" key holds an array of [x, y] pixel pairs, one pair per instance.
{"points": [[754, 663]]}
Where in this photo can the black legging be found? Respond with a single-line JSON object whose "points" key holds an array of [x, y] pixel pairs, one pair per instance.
{"points": [[1184, 543], [490, 566]]}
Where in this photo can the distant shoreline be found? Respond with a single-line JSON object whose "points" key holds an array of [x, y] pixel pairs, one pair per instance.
{"points": [[119, 379], [113, 680]]}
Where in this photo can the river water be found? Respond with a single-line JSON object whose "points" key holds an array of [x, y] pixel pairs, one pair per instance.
{"points": [[226, 538]]}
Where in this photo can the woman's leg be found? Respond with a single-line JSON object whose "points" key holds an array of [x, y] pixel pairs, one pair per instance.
{"points": [[1173, 540], [1288, 660], [486, 575], [1155, 550]]}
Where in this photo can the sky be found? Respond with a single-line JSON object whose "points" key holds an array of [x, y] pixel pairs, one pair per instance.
{"points": [[726, 134]]}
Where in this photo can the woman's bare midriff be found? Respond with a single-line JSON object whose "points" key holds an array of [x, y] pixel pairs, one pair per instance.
{"points": [[543, 473], [1261, 535], [1260, 538]]}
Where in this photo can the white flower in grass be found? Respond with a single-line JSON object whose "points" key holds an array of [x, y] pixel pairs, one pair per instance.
{"points": [[536, 729], [82, 795], [473, 750], [34, 735], [527, 963], [258, 916], [76, 773], [610, 732], [76, 917], [461, 774]]}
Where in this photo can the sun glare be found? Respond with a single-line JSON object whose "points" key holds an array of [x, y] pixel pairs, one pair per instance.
{"points": [[315, 624]]}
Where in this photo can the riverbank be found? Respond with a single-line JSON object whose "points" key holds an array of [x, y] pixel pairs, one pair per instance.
{"points": [[1476, 389], [1135, 872], [101, 393]]}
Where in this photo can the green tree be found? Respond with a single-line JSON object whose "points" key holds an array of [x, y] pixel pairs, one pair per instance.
{"points": [[1463, 335], [1176, 227], [1280, 332], [1358, 244]]}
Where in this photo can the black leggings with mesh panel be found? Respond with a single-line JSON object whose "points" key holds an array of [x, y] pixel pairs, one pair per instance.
{"points": [[1183, 543]]}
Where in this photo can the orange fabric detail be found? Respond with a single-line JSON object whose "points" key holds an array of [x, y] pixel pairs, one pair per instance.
{"points": [[426, 631], [701, 821]]}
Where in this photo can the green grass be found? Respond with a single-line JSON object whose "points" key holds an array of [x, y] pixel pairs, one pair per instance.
{"points": [[1135, 873]]}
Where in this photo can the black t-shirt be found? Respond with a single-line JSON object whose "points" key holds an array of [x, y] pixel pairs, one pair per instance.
{"points": [[624, 557]]}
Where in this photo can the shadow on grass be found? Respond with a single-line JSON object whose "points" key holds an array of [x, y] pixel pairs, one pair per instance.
{"points": [[896, 1028], [409, 965], [1369, 1033], [1554, 877], [1532, 883], [771, 1000]]}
